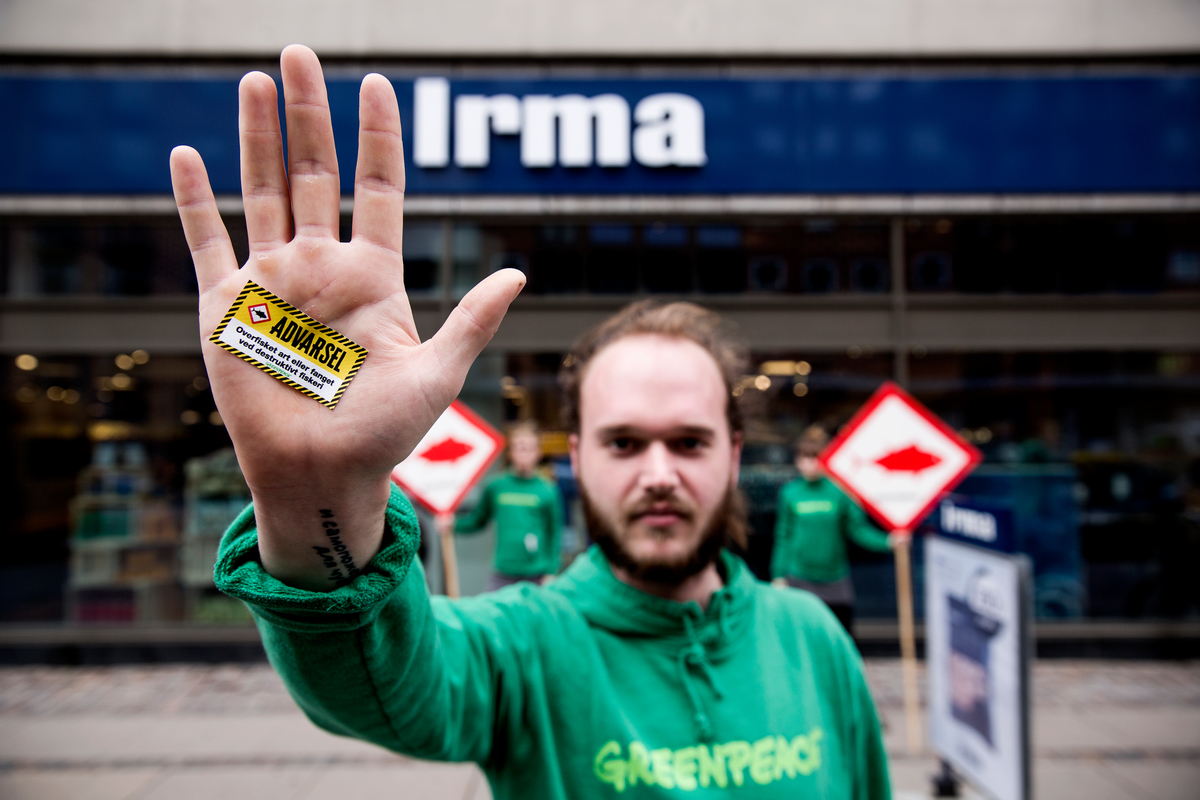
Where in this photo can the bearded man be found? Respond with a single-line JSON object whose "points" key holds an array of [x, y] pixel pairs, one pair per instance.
{"points": [[655, 666]]}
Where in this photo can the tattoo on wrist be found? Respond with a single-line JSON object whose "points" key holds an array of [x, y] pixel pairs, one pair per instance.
{"points": [[336, 557]]}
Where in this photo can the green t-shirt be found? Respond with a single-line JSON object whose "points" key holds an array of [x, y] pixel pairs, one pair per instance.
{"points": [[813, 520], [528, 515], [586, 689]]}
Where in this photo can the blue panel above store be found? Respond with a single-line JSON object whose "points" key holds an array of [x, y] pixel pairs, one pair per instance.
{"points": [[1135, 133]]}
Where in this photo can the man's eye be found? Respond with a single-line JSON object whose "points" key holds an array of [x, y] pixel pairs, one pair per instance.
{"points": [[621, 444], [689, 443]]}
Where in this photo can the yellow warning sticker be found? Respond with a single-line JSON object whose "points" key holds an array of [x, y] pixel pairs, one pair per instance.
{"points": [[283, 341]]}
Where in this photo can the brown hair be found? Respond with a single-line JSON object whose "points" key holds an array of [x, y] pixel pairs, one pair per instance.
{"points": [[811, 442], [526, 427], [651, 317]]}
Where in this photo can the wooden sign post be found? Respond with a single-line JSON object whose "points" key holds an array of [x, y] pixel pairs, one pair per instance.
{"points": [[445, 524], [908, 643]]}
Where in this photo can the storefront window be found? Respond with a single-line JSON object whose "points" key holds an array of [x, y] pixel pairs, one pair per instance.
{"points": [[423, 248], [95, 256], [121, 479], [556, 265], [468, 247], [112, 498], [816, 256], [612, 260], [1067, 255]]}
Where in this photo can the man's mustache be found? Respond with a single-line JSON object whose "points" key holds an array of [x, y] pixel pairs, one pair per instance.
{"points": [[668, 504]]}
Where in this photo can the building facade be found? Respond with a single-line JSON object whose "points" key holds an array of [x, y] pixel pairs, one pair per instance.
{"points": [[996, 205]]}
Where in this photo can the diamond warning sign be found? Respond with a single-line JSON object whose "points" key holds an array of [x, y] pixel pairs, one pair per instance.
{"points": [[896, 457], [310, 357], [260, 313], [452, 457]]}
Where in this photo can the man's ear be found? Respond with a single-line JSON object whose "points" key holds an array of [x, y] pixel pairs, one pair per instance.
{"points": [[573, 449], [735, 456]]}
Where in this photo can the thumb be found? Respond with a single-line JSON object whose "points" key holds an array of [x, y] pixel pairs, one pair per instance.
{"points": [[474, 321]]}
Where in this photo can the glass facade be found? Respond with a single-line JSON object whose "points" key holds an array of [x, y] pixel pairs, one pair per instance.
{"points": [[97, 256], [1040, 255], [120, 478], [816, 256], [104, 452]]}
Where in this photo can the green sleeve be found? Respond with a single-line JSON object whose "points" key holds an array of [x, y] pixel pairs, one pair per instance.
{"points": [[780, 551], [377, 660], [479, 516], [554, 524], [859, 529], [868, 753]]}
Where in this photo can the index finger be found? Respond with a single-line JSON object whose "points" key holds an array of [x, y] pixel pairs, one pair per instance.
{"points": [[207, 238]]}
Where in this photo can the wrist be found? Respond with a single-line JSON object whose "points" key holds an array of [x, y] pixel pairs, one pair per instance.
{"points": [[321, 534]]}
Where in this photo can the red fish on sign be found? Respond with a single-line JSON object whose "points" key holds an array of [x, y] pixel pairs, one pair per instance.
{"points": [[446, 450], [910, 459]]}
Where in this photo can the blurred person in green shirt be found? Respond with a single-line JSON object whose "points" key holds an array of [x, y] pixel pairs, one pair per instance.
{"points": [[813, 521], [527, 510]]}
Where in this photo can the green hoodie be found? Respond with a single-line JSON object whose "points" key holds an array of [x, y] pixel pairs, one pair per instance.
{"points": [[813, 521], [587, 688], [528, 514]]}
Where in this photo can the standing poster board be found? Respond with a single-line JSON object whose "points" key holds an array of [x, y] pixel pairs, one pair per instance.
{"points": [[978, 648]]}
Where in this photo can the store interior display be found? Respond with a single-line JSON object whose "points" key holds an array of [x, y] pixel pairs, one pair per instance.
{"points": [[214, 494], [124, 542]]}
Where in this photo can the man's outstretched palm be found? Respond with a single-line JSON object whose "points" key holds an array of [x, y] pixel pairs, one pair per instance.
{"points": [[296, 453]]}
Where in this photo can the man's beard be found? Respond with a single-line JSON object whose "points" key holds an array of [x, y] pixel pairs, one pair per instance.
{"points": [[727, 526]]}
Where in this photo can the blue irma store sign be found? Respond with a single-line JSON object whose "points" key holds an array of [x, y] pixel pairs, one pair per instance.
{"points": [[1033, 134], [976, 522]]}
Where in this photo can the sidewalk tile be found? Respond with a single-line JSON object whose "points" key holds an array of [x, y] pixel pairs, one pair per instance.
{"points": [[408, 781], [1076, 780], [1072, 730], [148, 737], [1160, 780], [291, 734], [232, 783], [480, 791], [36, 784], [912, 774], [1171, 728], [895, 729]]}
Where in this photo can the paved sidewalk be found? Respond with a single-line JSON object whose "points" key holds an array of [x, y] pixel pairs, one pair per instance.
{"points": [[1102, 730]]}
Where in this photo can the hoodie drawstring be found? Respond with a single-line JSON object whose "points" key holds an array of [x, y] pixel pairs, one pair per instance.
{"points": [[694, 656]]}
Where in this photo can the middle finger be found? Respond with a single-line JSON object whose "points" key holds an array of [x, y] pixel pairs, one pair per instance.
{"points": [[265, 192], [312, 156]]}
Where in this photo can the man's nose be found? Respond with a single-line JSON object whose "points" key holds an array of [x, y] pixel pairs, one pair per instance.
{"points": [[658, 468]]}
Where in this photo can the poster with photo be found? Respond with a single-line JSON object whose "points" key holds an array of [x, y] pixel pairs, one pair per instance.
{"points": [[977, 618]]}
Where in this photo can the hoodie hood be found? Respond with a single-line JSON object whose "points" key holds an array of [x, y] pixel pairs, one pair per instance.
{"points": [[698, 638]]}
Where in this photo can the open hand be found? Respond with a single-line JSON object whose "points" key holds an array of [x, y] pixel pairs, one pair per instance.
{"points": [[300, 458]]}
